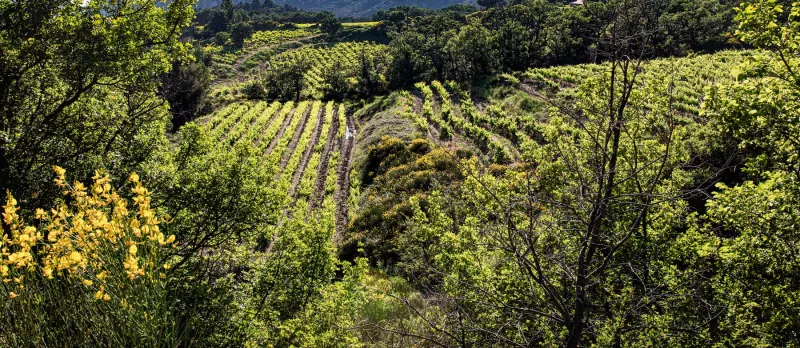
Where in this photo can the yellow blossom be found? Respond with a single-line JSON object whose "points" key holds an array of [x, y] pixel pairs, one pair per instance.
{"points": [[99, 294], [12, 295], [75, 257], [83, 236], [59, 171]]}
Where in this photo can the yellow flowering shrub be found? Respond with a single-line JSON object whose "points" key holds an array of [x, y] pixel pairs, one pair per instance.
{"points": [[95, 261], [82, 238]]}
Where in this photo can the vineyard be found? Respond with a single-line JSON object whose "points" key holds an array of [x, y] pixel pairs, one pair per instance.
{"points": [[324, 57], [690, 76], [309, 142], [273, 37], [505, 123], [449, 173], [228, 61]]}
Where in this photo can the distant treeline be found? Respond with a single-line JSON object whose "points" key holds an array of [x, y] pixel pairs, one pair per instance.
{"points": [[455, 44]]}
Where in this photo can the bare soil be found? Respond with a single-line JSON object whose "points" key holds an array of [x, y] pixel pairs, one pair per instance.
{"points": [[295, 139], [309, 151], [274, 141], [318, 195], [342, 195]]}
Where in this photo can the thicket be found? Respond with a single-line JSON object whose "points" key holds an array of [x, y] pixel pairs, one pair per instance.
{"points": [[633, 221], [519, 35]]}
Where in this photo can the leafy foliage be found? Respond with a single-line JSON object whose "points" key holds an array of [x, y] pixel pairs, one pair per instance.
{"points": [[96, 259]]}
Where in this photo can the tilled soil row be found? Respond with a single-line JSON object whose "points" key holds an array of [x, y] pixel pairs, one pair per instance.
{"points": [[279, 135], [295, 139], [318, 194], [309, 151], [342, 195]]}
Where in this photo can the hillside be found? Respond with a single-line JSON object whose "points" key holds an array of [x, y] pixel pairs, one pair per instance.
{"points": [[350, 8], [534, 173]]}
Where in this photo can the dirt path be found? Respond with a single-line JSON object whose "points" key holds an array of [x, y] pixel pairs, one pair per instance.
{"points": [[295, 139], [318, 194], [417, 103], [297, 177], [274, 141], [342, 195], [239, 61]]}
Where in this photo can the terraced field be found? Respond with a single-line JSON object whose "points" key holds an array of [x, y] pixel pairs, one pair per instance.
{"points": [[322, 57], [228, 61], [310, 142], [504, 122]]}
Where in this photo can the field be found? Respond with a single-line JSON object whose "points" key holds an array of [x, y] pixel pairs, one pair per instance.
{"points": [[310, 142], [228, 61], [273, 37], [501, 120], [233, 69], [360, 24], [322, 58]]}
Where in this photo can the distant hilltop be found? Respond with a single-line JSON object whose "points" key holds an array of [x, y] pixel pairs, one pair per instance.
{"points": [[349, 8]]}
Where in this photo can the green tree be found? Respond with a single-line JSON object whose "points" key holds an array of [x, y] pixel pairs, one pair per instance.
{"points": [[338, 80], [573, 246], [472, 52], [329, 24], [220, 202], [78, 87], [185, 88], [218, 21], [240, 32], [227, 8], [287, 81], [752, 226]]}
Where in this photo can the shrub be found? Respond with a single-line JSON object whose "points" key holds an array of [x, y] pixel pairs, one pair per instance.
{"points": [[90, 274], [254, 91]]}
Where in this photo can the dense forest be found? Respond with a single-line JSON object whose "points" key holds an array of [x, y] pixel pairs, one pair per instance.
{"points": [[510, 173], [344, 8]]}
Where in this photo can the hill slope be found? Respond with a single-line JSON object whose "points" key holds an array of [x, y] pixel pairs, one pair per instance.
{"points": [[355, 8]]}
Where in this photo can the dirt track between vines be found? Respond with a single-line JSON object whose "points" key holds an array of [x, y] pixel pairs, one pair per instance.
{"points": [[318, 194], [309, 151], [287, 155], [279, 135], [342, 194]]}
